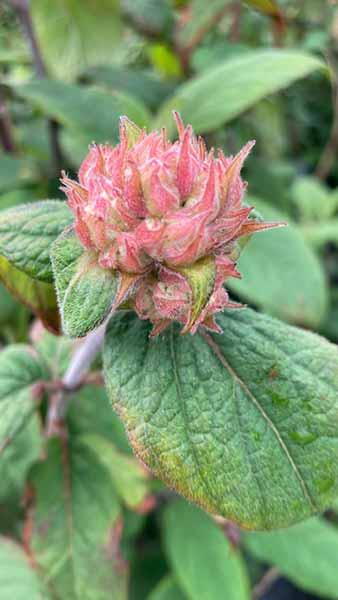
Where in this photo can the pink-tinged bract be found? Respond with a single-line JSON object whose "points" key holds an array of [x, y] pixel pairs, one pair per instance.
{"points": [[167, 217]]}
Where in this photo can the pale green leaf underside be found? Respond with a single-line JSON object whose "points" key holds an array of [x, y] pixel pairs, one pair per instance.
{"points": [[73, 522], [39, 296], [216, 97], [20, 369], [305, 553], [18, 580], [203, 562], [27, 233], [128, 476], [73, 106], [85, 291], [244, 423], [76, 34], [281, 274]]}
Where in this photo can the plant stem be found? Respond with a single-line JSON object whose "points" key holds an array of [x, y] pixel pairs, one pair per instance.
{"points": [[6, 136], [72, 379], [23, 12], [329, 154], [265, 583]]}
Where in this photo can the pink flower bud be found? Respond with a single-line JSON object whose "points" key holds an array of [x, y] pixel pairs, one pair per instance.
{"points": [[166, 216]]}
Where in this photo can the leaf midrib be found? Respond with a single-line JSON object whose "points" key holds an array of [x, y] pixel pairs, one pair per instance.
{"points": [[219, 354]]}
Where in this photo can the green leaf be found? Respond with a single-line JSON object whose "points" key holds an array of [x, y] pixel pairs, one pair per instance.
{"points": [[76, 34], [208, 101], [8, 306], [243, 423], [319, 234], [205, 565], [56, 350], [137, 83], [202, 16], [39, 296], [20, 370], [85, 290], [18, 457], [13, 171], [156, 17], [18, 580], [90, 113], [90, 412], [27, 233], [281, 274], [306, 554], [314, 201], [267, 7], [73, 525], [167, 589], [129, 478]]}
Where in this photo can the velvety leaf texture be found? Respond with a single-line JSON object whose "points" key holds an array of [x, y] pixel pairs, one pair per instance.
{"points": [[244, 423], [85, 290], [305, 553], [20, 369], [73, 522], [27, 232], [205, 565]]}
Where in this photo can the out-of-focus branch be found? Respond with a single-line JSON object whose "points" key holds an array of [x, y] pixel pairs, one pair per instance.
{"points": [[185, 51], [22, 9], [329, 153], [6, 135], [72, 379], [265, 583]]}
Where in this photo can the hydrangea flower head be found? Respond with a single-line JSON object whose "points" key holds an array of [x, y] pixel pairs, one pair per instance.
{"points": [[167, 217]]}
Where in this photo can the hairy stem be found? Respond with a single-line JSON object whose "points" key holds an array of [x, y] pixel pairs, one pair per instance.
{"points": [[72, 379], [264, 585]]}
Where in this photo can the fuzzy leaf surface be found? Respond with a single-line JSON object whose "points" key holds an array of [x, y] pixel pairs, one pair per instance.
{"points": [[27, 233], [305, 553], [205, 565], [20, 369], [243, 423], [85, 291], [75, 551]]}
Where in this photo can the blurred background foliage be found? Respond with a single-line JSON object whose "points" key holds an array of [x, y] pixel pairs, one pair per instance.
{"points": [[260, 69]]}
